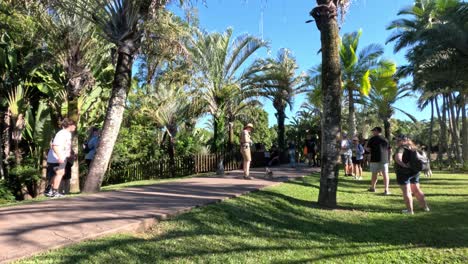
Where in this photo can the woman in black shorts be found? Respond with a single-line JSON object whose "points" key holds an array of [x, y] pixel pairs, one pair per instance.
{"points": [[406, 178]]}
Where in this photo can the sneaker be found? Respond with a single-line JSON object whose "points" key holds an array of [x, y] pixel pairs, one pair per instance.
{"points": [[427, 209], [57, 195], [407, 212], [371, 189], [359, 178], [387, 193], [49, 193], [247, 178]]}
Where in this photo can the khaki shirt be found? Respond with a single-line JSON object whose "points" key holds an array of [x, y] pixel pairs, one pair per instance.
{"points": [[245, 137]]}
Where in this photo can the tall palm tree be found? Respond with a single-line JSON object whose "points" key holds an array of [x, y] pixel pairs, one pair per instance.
{"points": [[74, 43], [356, 69], [219, 59], [325, 15], [438, 55], [121, 23], [278, 81], [385, 93]]}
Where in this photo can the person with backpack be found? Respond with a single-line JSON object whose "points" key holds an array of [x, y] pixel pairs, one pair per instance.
{"points": [[408, 164], [90, 147]]}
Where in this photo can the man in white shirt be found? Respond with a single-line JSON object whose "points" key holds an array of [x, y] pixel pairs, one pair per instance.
{"points": [[59, 152]]}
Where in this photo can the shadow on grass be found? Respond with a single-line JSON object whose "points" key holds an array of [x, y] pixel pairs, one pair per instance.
{"points": [[283, 222]]}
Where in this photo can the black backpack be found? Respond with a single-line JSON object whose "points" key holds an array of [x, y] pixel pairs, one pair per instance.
{"points": [[86, 148], [417, 160]]}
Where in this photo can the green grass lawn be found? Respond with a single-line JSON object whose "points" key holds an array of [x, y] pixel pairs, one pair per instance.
{"points": [[283, 225]]}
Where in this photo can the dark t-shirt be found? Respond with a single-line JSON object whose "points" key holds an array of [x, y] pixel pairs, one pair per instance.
{"points": [[310, 144], [378, 149]]}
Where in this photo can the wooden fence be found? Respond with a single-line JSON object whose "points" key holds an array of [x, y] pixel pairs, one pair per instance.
{"points": [[160, 169]]}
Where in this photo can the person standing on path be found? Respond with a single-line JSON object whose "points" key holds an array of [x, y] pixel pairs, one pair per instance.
{"points": [[60, 151], [246, 142], [379, 148], [406, 177]]}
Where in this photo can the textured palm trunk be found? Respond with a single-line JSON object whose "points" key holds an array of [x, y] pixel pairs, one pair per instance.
{"points": [[6, 134], [171, 150], [215, 134], [74, 114], [442, 147], [114, 116], [387, 128], [454, 122], [464, 133], [325, 16], [43, 182], [431, 129], [281, 117], [352, 113], [231, 136], [2, 170]]}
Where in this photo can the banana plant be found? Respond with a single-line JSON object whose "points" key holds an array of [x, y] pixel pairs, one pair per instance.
{"points": [[18, 105]]}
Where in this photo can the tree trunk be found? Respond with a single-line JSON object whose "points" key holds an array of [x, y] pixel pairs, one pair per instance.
{"points": [[231, 136], [74, 114], [352, 113], [41, 185], [431, 129], [325, 17], [6, 134], [441, 144], [2, 171], [281, 140], [214, 147], [114, 116], [456, 139], [387, 129], [464, 133], [172, 131]]}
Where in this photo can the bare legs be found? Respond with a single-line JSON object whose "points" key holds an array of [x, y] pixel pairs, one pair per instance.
{"points": [[408, 190], [385, 178], [357, 171]]}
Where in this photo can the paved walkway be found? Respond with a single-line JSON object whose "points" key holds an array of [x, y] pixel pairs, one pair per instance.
{"points": [[29, 229]]}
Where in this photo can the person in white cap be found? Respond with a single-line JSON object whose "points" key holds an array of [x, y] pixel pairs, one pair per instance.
{"points": [[245, 142]]}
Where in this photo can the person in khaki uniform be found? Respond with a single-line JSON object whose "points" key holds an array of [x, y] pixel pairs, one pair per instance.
{"points": [[245, 149]]}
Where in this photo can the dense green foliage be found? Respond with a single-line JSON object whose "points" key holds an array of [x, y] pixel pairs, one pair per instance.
{"points": [[282, 225]]}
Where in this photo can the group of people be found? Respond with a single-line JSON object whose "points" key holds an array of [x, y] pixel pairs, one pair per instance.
{"points": [[379, 149], [61, 156]]}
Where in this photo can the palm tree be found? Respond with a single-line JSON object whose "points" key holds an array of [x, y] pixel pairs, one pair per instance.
{"points": [[276, 79], [438, 57], [74, 43], [356, 69], [385, 93], [170, 106], [219, 60], [325, 15], [121, 23]]}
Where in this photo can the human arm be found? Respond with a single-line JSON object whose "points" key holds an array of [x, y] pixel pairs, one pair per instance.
{"points": [[56, 150], [399, 158]]}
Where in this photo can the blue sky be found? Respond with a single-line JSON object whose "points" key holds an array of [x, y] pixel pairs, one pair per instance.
{"points": [[284, 27]]}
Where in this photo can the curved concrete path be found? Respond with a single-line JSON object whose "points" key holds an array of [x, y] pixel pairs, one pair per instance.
{"points": [[30, 229]]}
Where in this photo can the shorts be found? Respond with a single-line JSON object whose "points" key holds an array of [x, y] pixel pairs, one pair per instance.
{"points": [[404, 179], [357, 162], [245, 151], [378, 166], [346, 159]]}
